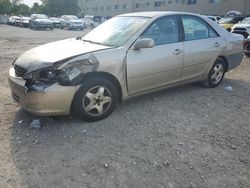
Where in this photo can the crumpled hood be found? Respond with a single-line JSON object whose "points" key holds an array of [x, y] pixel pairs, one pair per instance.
{"points": [[46, 55]]}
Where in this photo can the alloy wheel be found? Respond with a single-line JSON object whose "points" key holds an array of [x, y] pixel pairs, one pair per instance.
{"points": [[217, 74], [97, 101]]}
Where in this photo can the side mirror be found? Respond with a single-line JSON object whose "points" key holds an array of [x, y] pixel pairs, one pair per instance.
{"points": [[144, 43]]}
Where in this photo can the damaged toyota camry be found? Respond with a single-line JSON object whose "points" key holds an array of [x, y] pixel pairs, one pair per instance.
{"points": [[129, 55]]}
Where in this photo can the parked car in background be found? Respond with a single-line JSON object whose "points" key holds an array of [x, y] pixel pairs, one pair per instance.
{"points": [[214, 18], [56, 21], [71, 22], [40, 21], [12, 20], [228, 22], [25, 21], [126, 56], [17, 21], [91, 21], [233, 13], [242, 28]]}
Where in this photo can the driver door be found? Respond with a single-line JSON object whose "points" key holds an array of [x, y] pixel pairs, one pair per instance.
{"points": [[151, 68]]}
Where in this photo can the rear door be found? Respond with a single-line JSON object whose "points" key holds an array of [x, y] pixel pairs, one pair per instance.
{"points": [[201, 46]]}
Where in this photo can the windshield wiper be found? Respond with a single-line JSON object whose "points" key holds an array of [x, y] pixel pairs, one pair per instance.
{"points": [[93, 42]]}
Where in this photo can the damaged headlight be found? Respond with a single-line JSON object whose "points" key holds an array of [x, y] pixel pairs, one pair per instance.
{"points": [[42, 76], [65, 76], [69, 73]]}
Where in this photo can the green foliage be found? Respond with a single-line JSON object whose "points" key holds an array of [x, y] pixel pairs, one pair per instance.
{"points": [[50, 7], [37, 9], [21, 9], [60, 7], [5, 6]]}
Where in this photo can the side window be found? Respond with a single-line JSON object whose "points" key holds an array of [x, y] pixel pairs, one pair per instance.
{"points": [[195, 28], [212, 33], [163, 31]]}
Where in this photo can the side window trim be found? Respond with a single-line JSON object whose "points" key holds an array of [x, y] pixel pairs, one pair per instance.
{"points": [[203, 21], [178, 19]]}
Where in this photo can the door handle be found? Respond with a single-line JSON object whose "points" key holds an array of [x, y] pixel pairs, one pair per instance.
{"points": [[177, 52], [216, 44]]}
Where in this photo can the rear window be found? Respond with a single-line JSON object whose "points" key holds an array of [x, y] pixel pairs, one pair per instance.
{"points": [[196, 28]]}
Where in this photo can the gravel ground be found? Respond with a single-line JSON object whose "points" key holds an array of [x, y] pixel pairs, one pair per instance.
{"points": [[183, 137]]}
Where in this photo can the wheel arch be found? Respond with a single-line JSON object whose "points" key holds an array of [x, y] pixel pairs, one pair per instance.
{"points": [[105, 75], [225, 60]]}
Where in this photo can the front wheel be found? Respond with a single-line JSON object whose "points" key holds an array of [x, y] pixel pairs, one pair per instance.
{"points": [[96, 99], [68, 27], [216, 74]]}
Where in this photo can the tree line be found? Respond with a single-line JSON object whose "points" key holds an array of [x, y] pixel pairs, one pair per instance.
{"points": [[49, 7]]}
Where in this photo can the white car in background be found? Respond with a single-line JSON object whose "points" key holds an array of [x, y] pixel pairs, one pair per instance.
{"points": [[242, 28], [12, 20], [214, 18], [71, 22], [90, 21]]}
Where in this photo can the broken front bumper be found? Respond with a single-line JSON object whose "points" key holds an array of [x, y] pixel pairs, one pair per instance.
{"points": [[51, 100]]}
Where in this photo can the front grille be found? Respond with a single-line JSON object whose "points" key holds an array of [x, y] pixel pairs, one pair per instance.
{"points": [[19, 71]]}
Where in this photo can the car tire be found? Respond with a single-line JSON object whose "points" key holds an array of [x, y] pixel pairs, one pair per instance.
{"points": [[216, 74], [247, 49], [96, 99]]}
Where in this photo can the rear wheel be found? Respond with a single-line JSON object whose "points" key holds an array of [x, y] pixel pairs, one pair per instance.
{"points": [[96, 99], [216, 74], [247, 49]]}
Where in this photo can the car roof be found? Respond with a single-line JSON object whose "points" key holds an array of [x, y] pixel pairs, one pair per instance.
{"points": [[152, 14]]}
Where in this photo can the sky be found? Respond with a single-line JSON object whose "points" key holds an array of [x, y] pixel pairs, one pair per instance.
{"points": [[30, 2]]}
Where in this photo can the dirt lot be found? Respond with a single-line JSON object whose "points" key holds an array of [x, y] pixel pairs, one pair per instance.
{"points": [[186, 137]]}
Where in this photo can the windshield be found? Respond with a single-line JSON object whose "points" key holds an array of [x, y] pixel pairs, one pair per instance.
{"points": [[116, 31], [41, 16], [73, 17]]}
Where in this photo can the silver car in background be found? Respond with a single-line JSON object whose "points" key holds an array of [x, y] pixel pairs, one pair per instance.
{"points": [[71, 22], [127, 56], [40, 21]]}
